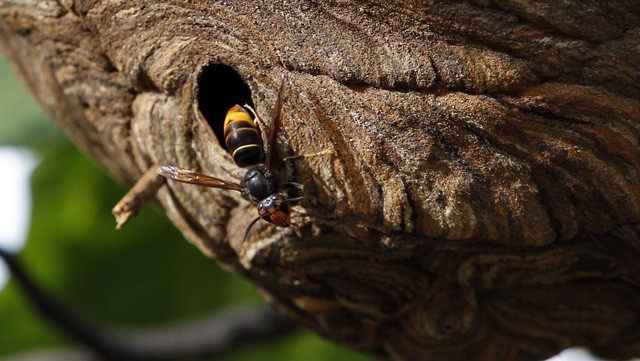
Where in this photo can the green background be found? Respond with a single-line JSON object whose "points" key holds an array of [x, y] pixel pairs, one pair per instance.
{"points": [[110, 276]]}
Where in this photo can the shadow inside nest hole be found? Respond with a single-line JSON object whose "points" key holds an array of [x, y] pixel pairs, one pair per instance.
{"points": [[219, 88]]}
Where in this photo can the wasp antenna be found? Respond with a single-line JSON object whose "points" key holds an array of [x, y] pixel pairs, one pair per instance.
{"points": [[246, 233]]}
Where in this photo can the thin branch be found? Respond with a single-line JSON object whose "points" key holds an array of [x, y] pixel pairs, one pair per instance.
{"points": [[141, 192], [209, 337], [213, 336], [55, 354], [82, 331]]}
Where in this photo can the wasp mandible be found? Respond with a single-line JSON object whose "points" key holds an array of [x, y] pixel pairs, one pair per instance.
{"points": [[244, 144]]}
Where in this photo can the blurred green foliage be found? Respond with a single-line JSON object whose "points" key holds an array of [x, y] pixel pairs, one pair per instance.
{"points": [[146, 274], [22, 121]]}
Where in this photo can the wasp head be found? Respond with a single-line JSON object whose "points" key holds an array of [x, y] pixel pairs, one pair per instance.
{"points": [[275, 209]]}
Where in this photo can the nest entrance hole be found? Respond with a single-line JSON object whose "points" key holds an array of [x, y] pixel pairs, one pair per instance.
{"points": [[219, 88]]}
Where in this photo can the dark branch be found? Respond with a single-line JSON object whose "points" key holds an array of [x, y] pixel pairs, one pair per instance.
{"points": [[213, 336], [79, 329]]}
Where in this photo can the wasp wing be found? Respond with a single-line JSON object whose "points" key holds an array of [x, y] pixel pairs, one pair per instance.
{"points": [[276, 121], [193, 177]]}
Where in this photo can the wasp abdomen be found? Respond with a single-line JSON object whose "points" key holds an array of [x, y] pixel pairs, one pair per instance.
{"points": [[242, 138]]}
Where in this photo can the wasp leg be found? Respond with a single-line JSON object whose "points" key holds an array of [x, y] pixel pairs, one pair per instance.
{"points": [[292, 185], [309, 155], [253, 112], [291, 200], [293, 191]]}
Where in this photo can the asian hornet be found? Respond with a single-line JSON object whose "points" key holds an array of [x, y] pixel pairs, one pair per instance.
{"points": [[244, 144]]}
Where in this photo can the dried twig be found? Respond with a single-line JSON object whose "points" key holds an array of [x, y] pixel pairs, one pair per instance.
{"points": [[141, 192]]}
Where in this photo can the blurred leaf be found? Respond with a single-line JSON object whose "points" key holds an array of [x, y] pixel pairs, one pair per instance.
{"points": [[22, 121]]}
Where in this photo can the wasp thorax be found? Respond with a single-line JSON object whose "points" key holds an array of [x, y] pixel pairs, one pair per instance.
{"points": [[258, 186]]}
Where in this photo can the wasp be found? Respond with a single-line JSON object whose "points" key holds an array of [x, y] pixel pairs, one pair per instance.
{"points": [[260, 184]]}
